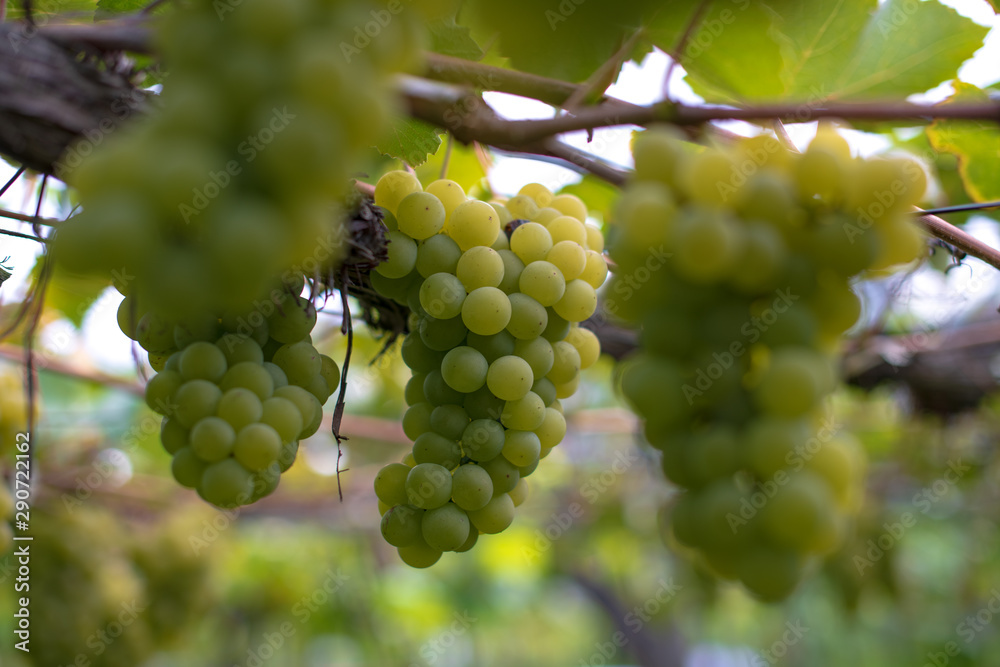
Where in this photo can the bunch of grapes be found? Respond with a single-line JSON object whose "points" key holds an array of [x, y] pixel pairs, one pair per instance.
{"points": [[736, 263], [237, 391], [495, 292], [237, 176]]}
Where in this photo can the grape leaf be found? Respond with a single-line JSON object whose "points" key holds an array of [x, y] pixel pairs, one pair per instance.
{"points": [[994, 5], [976, 144], [410, 140], [71, 294], [451, 39], [108, 7], [464, 166]]}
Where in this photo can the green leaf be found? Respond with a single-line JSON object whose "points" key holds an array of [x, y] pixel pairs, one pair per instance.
{"points": [[410, 140], [599, 195], [71, 294], [109, 7], [908, 47], [451, 39], [994, 5], [976, 144], [464, 166]]}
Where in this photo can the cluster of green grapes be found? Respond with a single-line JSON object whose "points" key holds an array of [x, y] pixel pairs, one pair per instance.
{"points": [[238, 174], [495, 292], [101, 592], [736, 263], [237, 391]]}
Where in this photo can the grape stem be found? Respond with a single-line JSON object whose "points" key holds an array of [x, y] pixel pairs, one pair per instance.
{"points": [[960, 239]]}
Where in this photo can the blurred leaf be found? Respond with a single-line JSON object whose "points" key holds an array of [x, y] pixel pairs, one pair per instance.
{"points": [[976, 144], [410, 140], [71, 294], [463, 166], [106, 7], [451, 39], [994, 5]]}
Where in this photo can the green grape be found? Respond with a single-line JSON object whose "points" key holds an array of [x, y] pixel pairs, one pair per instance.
{"points": [[569, 257], [538, 353], [482, 404], [226, 483], [449, 421], [538, 192], [464, 369], [552, 429], [450, 193], [442, 296], [570, 205], [204, 328], [438, 254], [483, 439], [173, 435], [128, 317], [420, 215], [595, 271], [445, 528], [257, 446], [418, 357], [419, 554], [525, 413], [768, 443], [567, 228], [519, 493], [330, 372], [521, 447], [248, 375], [389, 220], [393, 187], [587, 345], [428, 485], [212, 439], [771, 574], [401, 525], [503, 474], [237, 349], [433, 448], [442, 335], [187, 468], [800, 516], [707, 245], [522, 207], [512, 268], [545, 389], [278, 376], [566, 365], [531, 242], [486, 311], [492, 347], [543, 282], [528, 318], [501, 242], [393, 288], [160, 391], [289, 450], [283, 416], [299, 361], [292, 321], [495, 517], [414, 391], [473, 223], [155, 333], [578, 302], [390, 484], [793, 383], [510, 378], [480, 267], [438, 392], [417, 420], [402, 256], [595, 238], [194, 400], [471, 487], [240, 407]]}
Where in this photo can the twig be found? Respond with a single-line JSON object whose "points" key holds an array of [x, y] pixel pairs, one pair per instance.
{"points": [[38, 207], [960, 239], [49, 222], [959, 208], [132, 33], [148, 9], [783, 137], [604, 76], [682, 44], [16, 175]]}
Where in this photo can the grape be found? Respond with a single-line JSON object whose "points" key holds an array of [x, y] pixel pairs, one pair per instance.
{"points": [[419, 554], [195, 400], [503, 473], [510, 378], [417, 420], [543, 282], [528, 318], [283, 416], [226, 483], [414, 391], [538, 353], [238, 348], [389, 484], [531, 242], [569, 257], [595, 272], [420, 215], [552, 429], [483, 439], [438, 254], [308, 405], [464, 369], [257, 446], [578, 302], [793, 384], [512, 268], [299, 361], [445, 528], [173, 435], [450, 193], [330, 372], [570, 205], [495, 517], [393, 187], [525, 413], [595, 238], [449, 421], [545, 389], [433, 448], [418, 356], [428, 485], [471, 487], [212, 439], [567, 228], [292, 321], [480, 267], [473, 223], [442, 295], [402, 256], [492, 347], [521, 447], [566, 365], [438, 392], [522, 207], [587, 345], [248, 375], [541, 194], [486, 311], [160, 391], [187, 468], [155, 333], [482, 404], [401, 525]]}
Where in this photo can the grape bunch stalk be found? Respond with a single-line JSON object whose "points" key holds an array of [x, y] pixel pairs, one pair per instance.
{"points": [[495, 293], [736, 264]]}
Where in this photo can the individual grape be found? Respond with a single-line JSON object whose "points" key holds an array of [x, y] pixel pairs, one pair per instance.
{"points": [[212, 439], [793, 383], [486, 311], [471, 487], [442, 335], [569, 257], [595, 238], [438, 254], [528, 318], [503, 473], [522, 207], [226, 483], [445, 528], [238, 348], [155, 333], [393, 187], [483, 439], [240, 407], [330, 372], [552, 429], [419, 357], [289, 451], [495, 517], [450, 193], [545, 389], [566, 365], [438, 392], [570, 205], [531, 242], [521, 447], [248, 375], [482, 404], [510, 378], [257, 446], [519, 493], [402, 256], [420, 215], [586, 343], [160, 391], [505, 218], [595, 272], [473, 223], [492, 347], [480, 267], [512, 268], [707, 245], [401, 525], [800, 516], [390, 484], [428, 485], [194, 400], [464, 369], [283, 416], [419, 554], [543, 282], [292, 321], [433, 448], [538, 353], [187, 468], [538, 192], [449, 421], [525, 413], [414, 391], [442, 295], [202, 361], [567, 228], [299, 361], [578, 302], [308, 405], [417, 420], [173, 435]]}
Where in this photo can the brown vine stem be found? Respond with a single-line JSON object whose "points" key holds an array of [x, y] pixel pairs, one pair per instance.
{"points": [[960, 239], [48, 222]]}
